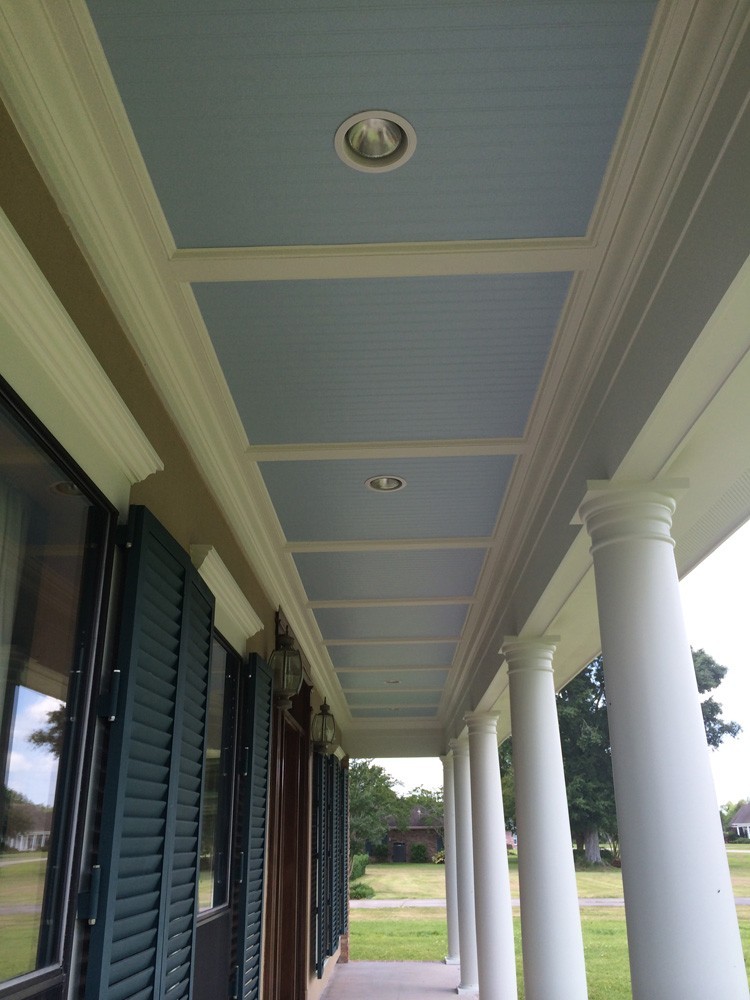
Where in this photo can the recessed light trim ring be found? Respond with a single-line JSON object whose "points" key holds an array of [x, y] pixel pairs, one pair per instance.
{"points": [[375, 141], [385, 483]]}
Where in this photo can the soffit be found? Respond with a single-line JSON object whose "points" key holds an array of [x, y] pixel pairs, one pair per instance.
{"points": [[476, 387]]}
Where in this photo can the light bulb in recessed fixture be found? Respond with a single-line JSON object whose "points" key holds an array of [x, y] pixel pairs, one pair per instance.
{"points": [[385, 484], [374, 138], [375, 141]]}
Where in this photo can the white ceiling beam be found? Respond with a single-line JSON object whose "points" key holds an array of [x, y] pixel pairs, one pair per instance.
{"points": [[411, 602], [390, 544], [347, 451], [382, 260]]}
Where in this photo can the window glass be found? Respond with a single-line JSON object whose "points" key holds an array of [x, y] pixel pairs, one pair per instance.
{"points": [[218, 778], [51, 541]]}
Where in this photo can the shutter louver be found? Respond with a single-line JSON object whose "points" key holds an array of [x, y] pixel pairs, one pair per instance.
{"points": [[319, 807], [141, 945], [344, 858], [258, 743], [336, 880]]}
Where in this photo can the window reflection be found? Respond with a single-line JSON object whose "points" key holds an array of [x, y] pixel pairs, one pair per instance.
{"points": [[218, 777], [48, 539]]}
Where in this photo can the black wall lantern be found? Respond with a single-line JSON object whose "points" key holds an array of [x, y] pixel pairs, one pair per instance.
{"points": [[323, 732], [286, 663]]}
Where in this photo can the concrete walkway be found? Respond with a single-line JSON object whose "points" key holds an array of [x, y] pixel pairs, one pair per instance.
{"points": [[392, 980]]}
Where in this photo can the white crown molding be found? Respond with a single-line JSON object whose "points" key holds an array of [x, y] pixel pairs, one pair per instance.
{"points": [[234, 616], [48, 363]]}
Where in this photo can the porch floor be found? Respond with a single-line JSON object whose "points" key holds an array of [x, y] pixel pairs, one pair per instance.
{"points": [[392, 981]]}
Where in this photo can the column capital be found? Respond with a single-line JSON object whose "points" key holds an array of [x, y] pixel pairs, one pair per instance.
{"points": [[617, 512], [482, 722], [529, 652], [459, 747]]}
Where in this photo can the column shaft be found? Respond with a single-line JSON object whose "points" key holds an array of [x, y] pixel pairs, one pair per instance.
{"points": [[494, 915], [682, 926], [467, 928], [553, 960], [449, 844]]}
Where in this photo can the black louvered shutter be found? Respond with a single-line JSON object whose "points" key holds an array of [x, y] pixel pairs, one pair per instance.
{"points": [[344, 856], [142, 943], [257, 742], [321, 869], [336, 878], [330, 855]]}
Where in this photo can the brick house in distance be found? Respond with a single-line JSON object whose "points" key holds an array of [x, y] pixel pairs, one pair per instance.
{"points": [[424, 828]]}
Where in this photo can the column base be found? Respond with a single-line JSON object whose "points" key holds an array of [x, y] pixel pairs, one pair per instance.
{"points": [[451, 960], [467, 990]]}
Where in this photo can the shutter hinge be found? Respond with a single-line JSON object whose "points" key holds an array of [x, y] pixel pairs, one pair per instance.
{"points": [[237, 977], [240, 870], [88, 900], [125, 534], [107, 705]]}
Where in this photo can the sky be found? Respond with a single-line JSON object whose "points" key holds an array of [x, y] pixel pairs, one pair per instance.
{"points": [[716, 603], [32, 770]]}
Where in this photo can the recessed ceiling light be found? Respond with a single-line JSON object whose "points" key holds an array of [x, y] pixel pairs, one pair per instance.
{"points": [[385, 484], [375, 140]]}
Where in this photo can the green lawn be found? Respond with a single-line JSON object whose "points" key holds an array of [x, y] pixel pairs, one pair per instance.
{"points": [[407, 881], [21, 890], [419, 934]]}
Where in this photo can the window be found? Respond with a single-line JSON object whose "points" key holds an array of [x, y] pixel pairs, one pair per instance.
{"points": [[218, 778], [54, 534]]}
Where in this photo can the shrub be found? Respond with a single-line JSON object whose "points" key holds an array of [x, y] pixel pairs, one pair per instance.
{"points": [[418, 854], [380, 852], [439, 858], [361, 890], [359, 865]]}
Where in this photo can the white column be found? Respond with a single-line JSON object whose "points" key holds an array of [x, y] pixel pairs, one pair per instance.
{"points": [[553, 962], [449, 845], [496, 954], [682, 926], [467, 928]]}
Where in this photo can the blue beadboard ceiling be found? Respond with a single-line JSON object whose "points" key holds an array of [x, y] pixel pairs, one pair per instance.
{"points": [[516, 107], [235, 105]]}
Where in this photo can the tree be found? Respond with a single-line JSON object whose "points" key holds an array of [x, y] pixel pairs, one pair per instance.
{"points": [[584, 735], [53, 734], [372, 802], [508, 783], [709, 674], [425, 804], [18, 815], [584, 732]]}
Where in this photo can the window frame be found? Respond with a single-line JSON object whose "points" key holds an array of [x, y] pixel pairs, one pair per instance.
{"points": [[49, 982], [230, 747]]}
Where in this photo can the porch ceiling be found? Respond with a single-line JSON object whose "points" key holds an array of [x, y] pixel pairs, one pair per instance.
{"points": [[495, 321]]}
